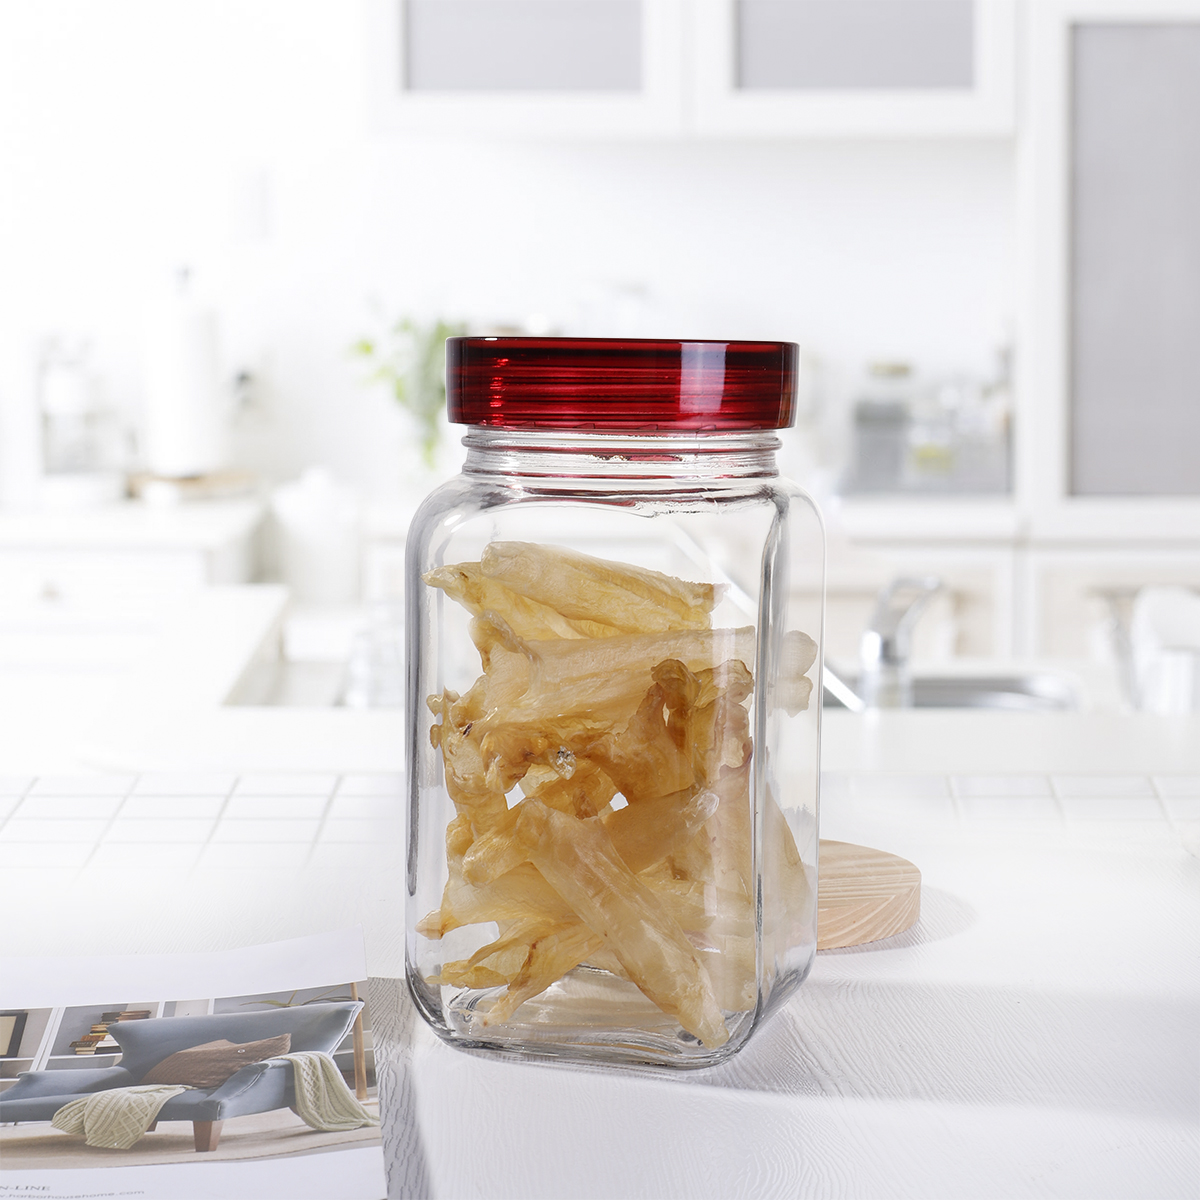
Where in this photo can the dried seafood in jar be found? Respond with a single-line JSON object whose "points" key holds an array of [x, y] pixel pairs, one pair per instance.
{"points": [[600, 768]]}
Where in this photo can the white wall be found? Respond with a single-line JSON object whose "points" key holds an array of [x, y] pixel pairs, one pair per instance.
{"points": [[232, 135]]}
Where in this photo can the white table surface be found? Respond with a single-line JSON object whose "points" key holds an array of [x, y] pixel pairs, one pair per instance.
{"points": [[1036, 1034]]}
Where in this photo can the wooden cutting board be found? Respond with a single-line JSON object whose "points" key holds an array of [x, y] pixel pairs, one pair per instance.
{"points": [[864, 895]]}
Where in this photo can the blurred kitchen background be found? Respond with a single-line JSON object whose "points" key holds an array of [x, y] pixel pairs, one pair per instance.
{"points": [[233, 234]]}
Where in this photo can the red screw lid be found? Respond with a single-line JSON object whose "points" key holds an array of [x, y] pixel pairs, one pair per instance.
{"points": [[618, 384]]}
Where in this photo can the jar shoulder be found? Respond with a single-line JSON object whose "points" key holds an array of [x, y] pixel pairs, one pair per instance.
{"points": [[466, 499]]}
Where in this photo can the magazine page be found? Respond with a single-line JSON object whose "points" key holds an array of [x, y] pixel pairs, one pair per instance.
{"points": [[246, 1072]]}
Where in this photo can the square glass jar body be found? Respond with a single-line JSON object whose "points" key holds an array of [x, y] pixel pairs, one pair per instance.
{"points": [[612, 829]]}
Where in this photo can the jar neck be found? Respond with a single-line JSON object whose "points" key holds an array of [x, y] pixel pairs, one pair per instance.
{"points": [[549, 455]]}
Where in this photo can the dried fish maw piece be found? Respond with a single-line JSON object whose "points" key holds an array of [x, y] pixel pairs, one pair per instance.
{"points": [[586, 792], [794, 689], [681, 692], [519, 894], [494, 853], [643, 759], [785, 923], [720, 736], [501, 959], [706, 718], [730, 833], [604, 959], [689, 902], [732, 914], [693, 860], [799, 652], [578, 860], [463, 768], [647, 832], [603, 680], [593, 589], [479, 595], [459, 836], [793, 694], [509, 751], [507, 667], [462, 974], [550, 957], [731, 969]]}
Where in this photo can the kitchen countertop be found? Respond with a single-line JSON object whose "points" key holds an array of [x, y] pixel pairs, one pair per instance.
{"points": [[131, 525], [1036, 1034]]}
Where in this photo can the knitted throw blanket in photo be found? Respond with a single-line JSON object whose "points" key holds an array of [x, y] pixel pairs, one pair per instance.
{"points": [[323, 1101], [115, 1119]]}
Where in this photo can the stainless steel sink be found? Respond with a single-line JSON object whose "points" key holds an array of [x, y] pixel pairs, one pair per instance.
{"points": [[1026, 692]]}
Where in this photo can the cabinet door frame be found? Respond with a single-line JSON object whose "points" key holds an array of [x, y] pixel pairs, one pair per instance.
{"points": [[656, 110], [1042, 435], [721, 108]]}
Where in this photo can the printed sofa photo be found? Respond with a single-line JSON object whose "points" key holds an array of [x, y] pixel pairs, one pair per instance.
{"points": [[271, 1073]]}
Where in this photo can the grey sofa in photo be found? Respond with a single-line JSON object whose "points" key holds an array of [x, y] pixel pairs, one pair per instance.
{"points": [[254, 1088]]}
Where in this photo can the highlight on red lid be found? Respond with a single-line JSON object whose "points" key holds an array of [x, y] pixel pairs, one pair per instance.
{"points": [[628, 385]]}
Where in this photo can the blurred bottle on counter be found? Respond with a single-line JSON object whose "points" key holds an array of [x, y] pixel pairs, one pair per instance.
{"points": [[318, 528], [185, 430], [881, 418], [928, 436], [83, 443]]}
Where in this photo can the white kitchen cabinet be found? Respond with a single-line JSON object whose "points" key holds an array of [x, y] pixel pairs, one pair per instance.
{"points": [[125, 553], [1109, 305], [505, 67], [653, 68], [838, 68]]}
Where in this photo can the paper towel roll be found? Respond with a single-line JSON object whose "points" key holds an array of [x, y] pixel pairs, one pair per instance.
{"points": [[185, 417]]}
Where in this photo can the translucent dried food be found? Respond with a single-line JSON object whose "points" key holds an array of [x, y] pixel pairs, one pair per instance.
{"points": [[592, 589], [577, 858], [600, 768]]}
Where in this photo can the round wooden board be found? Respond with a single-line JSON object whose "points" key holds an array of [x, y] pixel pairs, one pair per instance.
{"points": [[864, 895]]}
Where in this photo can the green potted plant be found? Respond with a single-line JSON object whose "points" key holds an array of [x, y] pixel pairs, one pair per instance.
{"points": [[409, 359]]}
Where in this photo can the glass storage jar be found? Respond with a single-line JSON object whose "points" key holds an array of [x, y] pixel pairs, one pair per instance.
{"points": [[614, 628]]}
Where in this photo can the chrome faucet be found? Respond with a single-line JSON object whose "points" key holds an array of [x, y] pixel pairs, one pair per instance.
{"points": [[886, 679]]}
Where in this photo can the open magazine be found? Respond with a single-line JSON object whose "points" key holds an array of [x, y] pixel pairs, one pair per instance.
{"points": [[239, 1073]]}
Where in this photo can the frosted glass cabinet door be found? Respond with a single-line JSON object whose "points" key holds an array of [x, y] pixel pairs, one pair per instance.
{"points": [[606, 67], [1108, 315], [844, 67], [1134, 291]]}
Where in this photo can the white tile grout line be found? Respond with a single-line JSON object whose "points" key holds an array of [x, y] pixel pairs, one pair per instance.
{"points": [[312, 849], [1055, 802], [216, 820], [1058, 797], [233, 787], [20, 800], [1059, 807], [960, 817], [1162, 803], [108, 825]]}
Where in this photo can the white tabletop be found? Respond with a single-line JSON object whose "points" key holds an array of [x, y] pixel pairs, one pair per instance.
{"points": [[1036, 1034]]}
